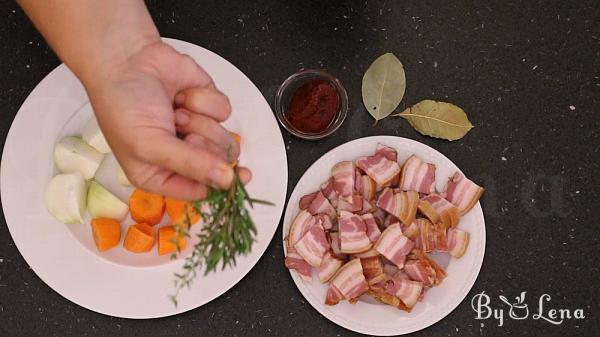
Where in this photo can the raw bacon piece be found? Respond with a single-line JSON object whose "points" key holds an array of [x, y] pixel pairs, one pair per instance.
{"points": [[350, 281], [313, 245], [406, 290], [353, 233], [368, 188], [367, 207], [411, 231], [386, 151], [373, 270], [294, 261], [343, 179], [328, 267], [440, 240], [379, 216], [438, 209], [334, 238], [440, 274], [307, 199], [382, 296], [425, 240], [402, 205], [321, 205], [373, 231], [301, 224], [369, 253], [458, 241], [357, 180], [419, 270], [334, 296], [462, 192], [417, 176], [390, 269], [329, 192], [326, 221], [355, 204], [389, 220], [394, 245], [379, 168]]}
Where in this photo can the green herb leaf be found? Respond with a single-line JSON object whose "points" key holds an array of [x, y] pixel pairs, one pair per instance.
{"points": [[438, 119], [383, 86]]}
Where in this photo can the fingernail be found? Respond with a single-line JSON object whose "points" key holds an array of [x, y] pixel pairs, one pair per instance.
{"points": [[220, 176], [179, 98], [181, 118]]}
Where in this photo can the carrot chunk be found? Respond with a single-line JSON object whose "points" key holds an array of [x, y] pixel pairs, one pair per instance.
{"points": [[176, 210], [167, 238], [106, 232], [139, 238], [146, 207]]}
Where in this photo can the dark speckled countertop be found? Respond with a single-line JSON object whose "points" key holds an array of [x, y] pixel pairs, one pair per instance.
{"points": [[527, 74]]}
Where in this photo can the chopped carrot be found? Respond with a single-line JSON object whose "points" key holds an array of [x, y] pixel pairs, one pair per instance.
{"points": [[146, 207], [139, 238], [176, 210], [167, 238], [106, 232]]}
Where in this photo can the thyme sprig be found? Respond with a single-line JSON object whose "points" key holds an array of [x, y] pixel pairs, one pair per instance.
{"points": [[228, 231]]}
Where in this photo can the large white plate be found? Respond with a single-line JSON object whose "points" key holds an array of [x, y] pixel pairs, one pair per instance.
{"points": [[64, 257], [367, 316]]}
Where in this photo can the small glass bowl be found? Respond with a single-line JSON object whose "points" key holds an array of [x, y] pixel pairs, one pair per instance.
{"points": [[291, 84]]}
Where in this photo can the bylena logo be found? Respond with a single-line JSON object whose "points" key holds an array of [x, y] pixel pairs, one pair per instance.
{"points": [[519, 310]]}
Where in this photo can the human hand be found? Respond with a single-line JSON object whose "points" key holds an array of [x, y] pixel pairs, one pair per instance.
{"points": [[143, 101]]}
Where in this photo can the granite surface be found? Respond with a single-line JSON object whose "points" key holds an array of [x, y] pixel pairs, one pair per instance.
{"points": [[527, 74]]}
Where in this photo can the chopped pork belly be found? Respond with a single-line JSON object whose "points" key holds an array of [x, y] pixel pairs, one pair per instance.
{"points": [[343, 179], [417, 176], [321, 205], [379, 168], [411, 231], [373, 231], [367, 207], [402, 205], [368, 188], [334, 238], [438, 209], [462, 192], [326, 221], [294, 261], [419, 270], [307, 199], [379, 216], [353, 233], [328, 267], [350, 280], [353, 204], [329, 192], [425, 240], [440, 274], [369, 253], [406, 290], [379, 293], [386, 151], [301, 224], [458, 241], [394, 245], [334, 296], [373, 270], [313, 245]]}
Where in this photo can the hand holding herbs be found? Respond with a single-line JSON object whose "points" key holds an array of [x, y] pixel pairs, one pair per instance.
{"points": [[383, 87]]}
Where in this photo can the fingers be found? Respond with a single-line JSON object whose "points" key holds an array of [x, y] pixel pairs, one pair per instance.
{"points": [[245, 175], [192, 162], [207, 101], [206, 131], [180, 187]]}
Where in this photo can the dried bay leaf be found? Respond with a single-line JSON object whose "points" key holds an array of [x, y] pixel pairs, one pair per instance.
{"points": [[438, 119], [383, 86]]}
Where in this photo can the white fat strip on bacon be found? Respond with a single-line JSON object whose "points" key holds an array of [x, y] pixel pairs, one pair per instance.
{"points": [[328, 267], [406, 290], [321, 205], [355, 204], [334, 238], [313, 245], [368, 188], [394, 245], [379, 168], [307, 199], [402, 205], [447, 213], [373, 231], [353, 233], [343, 179], [411, 231], [419, 270], [350, 280], [386, 151], [462, 192], [301, 224], [425, 240], [457, 241], [294, 261], [417, 176]]}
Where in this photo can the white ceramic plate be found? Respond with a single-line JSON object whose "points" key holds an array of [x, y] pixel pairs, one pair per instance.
{"points": [[119, 283], [368, 316]]}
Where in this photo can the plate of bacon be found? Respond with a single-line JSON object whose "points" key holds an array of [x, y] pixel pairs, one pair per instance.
{"points": [[384, 235]]}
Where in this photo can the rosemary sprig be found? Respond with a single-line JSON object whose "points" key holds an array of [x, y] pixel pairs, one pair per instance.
{"points": [[228, 231]]}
